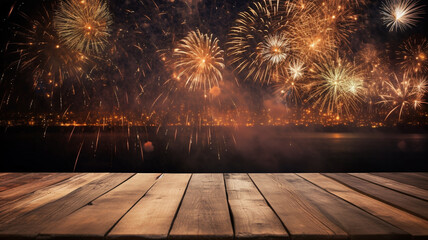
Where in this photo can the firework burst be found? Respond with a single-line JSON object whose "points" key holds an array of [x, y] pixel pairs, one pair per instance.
{"points": [[323, 27], [402, 94], [198, 61], [338, 88], [40, 51], [83, 25], [275, 48], [413, 55], [296, 69], [261, 40], [400, 14]]}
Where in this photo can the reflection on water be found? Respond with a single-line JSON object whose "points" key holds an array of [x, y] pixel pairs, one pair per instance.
{"points": [[263, 149]]}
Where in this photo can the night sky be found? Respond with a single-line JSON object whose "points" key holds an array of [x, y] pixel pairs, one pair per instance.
{"points": [[129, 74]]}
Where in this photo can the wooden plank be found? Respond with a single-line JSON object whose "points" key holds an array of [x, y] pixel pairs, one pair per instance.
{"points": [[95, 220], [391, 184], [16, 208], [301, 218], [416, 226], [5, 177], [204, 212], [152, 216], [420, 174], [32, 223], [32, 186], [354, 221], [22, 179], [414, 180], [252, 217], [413, 205]]}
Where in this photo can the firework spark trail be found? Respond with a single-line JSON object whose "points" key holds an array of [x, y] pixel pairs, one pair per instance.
{"points": [[98, 138], [78, 155], [71, 133], [401, 14], [84, 25]]}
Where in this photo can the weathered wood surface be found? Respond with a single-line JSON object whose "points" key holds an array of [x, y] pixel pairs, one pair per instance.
{"points": [[204, 211], [153, 215], [32, 186], [16, 208], [213, 206], [415, 179], [252, 216], [300, 217], [96, 219], [415, 226], [397, 186], [413, 205], [33, 222]]}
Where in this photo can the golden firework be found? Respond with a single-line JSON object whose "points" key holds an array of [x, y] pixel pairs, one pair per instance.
{"points": [[338, 86], [400, 94], [323, 27], [42, 53], [261, 40], [83, 25], [198, 61]]}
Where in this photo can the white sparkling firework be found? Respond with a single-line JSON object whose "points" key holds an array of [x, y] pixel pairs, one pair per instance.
{"points": [[401, 14], [275, 48]]}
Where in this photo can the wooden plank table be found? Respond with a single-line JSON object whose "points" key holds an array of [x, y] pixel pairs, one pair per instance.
{"points": [[213, 206]]}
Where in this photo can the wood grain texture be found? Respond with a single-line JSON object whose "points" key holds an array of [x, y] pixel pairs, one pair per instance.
{"points": [[213, 206], [204, 212], [33, 222], [420, 174], [16, 208], [252, 217], [5, 177], [407, 178], [152, 216], [413, 225], [357, 223], [397, 186], [20, 180], [32, 186], [93, 221], [413, 205], [301, 218]]}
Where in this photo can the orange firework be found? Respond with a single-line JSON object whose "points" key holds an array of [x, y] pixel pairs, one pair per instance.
{"points": [[413, 55]]}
